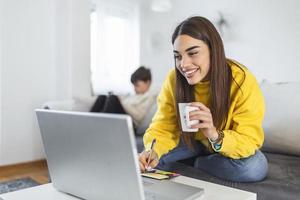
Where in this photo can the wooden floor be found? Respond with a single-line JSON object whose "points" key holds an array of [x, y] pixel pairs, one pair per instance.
{"points": [[37, 171]]}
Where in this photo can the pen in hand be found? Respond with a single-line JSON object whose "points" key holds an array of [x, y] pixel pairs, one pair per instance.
{"points": [[149, 157]]}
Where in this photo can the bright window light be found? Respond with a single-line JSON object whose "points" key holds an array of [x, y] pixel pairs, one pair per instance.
{"points": [[114, 51]]}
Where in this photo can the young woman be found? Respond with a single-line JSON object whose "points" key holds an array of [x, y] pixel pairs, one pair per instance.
{"points": [[230, 110]]}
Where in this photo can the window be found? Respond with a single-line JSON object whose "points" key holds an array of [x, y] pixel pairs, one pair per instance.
{"points": [[114, 46]]}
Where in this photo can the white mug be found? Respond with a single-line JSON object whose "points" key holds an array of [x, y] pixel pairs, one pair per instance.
{"points": [[186, 123]]}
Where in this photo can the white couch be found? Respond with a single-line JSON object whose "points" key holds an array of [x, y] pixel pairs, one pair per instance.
{"points": [[281, 123], [282, 118]]}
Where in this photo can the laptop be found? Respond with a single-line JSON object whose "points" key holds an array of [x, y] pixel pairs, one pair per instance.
{"points": [[94, 156]]}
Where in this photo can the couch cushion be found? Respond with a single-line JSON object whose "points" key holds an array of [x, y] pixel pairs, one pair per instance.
{"points": [[282, 118], [147, 120], [139, 143]]}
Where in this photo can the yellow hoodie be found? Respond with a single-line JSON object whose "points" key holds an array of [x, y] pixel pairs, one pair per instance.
{"points": [[243, 133]]}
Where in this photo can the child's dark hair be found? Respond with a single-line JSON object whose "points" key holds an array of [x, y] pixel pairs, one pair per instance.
{"points": [[141, 74]]}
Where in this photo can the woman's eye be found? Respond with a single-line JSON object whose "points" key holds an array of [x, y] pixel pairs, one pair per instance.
{"points": [[192, 53]]}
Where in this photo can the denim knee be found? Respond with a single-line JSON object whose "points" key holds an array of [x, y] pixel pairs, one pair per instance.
{"points": [[251, 169], [254, 168]]}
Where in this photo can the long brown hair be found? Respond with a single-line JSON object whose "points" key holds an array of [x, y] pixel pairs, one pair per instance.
{"points": [[220, 74]]}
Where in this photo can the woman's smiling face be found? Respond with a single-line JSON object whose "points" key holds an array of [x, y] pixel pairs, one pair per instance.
{"points": [[192, 58]]}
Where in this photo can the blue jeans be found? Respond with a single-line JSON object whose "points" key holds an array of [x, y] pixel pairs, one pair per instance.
{"points": [[251, 169]]}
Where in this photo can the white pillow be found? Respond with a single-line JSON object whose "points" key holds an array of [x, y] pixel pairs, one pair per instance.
{"points": [[83, 104], [65, 105], [147, 120], [282, 118]]}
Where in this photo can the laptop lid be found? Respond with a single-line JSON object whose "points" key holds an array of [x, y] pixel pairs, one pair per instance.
{"points": [[78, 145]]}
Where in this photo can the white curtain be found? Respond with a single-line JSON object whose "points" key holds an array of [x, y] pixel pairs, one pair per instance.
{"points": [[114, 45]]}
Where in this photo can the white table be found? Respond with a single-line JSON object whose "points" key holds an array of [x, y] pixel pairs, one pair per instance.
{"points": [[212, 192]]}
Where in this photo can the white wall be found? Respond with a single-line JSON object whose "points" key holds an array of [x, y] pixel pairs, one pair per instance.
{"points": [[45, 48], [80, 48], [27, 75], [1, 18], [263, 35], [72, 49]]}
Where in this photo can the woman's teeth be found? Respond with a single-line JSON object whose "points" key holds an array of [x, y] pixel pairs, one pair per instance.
{"points": [[190, 72]]}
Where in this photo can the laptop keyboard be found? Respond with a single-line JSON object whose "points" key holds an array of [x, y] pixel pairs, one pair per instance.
{"points": [[150, 195], [147, 183]]}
